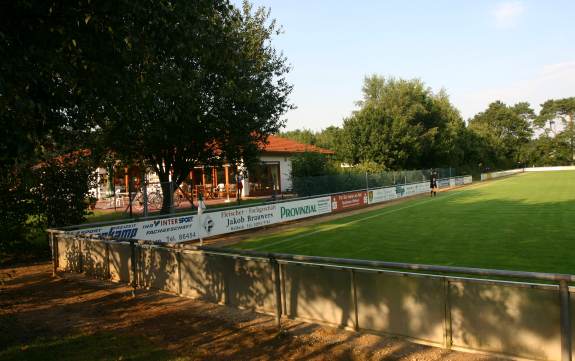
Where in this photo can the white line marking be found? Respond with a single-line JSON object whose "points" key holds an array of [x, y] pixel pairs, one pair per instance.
{"points": [[329, 228]]}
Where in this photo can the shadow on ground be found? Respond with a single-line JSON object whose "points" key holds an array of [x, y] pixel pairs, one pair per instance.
{"points": [[72, 317]]}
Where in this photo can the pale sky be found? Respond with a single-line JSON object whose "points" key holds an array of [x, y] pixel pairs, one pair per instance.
{"points": [[479, 51]]}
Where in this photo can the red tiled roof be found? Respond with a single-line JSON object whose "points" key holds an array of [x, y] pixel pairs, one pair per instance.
{"points": [[283, 145]]}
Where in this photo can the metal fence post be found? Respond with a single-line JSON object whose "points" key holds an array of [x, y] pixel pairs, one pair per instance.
{"points": [[54, 244], [565, 321], [277, 290], [179, 269], [354, 300], [145, 192], [80, 256], [133, 268], [107, 258], [171, 196], [447, 331], [366, 182]]}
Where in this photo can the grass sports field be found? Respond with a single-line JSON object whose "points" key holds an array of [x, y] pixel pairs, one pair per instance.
{"points": [[525, 222]]}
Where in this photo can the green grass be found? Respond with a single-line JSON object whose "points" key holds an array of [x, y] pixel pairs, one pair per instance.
{"points": [[525, 222], [101, 346]]}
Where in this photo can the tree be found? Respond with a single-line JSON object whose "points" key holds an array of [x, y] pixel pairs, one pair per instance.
{"points": [[505, 131], [562, 110], [400, 124], [309, 164], [205, 86], [329, 138], [305, 136], [164, 84]]}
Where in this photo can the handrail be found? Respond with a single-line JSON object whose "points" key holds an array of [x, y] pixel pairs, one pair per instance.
{"points": [[556, 277]]}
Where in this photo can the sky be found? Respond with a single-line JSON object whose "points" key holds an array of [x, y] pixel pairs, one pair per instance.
{"points": [[478, 51]]}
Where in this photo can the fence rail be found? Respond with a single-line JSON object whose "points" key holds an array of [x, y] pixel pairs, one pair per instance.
{"points": [[450, 309]]}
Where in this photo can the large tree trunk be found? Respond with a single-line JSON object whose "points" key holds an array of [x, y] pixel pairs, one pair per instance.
{"points": [[167, 191], [167, 197]]}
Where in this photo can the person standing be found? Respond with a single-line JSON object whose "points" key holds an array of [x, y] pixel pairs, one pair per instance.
{"points": [[433, 183]]}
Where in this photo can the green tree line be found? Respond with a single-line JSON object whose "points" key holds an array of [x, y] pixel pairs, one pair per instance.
{"points": [[403, 124]]}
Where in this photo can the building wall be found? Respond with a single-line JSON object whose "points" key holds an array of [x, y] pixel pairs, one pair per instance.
{"points": [[285, 169]]}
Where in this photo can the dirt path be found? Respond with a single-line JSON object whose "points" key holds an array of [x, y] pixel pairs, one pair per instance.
{"points": [[35, 305]]}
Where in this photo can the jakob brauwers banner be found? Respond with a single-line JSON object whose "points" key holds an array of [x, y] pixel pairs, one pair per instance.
{"points": [[227, 221]]}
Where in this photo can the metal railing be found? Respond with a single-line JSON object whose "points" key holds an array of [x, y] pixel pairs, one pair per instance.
{"points": [[506, 313]]}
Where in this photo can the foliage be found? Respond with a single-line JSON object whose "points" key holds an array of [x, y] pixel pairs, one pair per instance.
{"points": [[401, 124], [159, 83], [202, 83], [15, 205], [305, 136], [61, 188], [328, 138], [309, 164], [563, 111], [505, 130]]}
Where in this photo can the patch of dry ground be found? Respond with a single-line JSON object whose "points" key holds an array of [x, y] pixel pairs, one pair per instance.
{"points": [[33, 305]]}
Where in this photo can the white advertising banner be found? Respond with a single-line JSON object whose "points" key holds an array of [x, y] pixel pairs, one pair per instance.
{"points": [[173, 229], [227, 221], [290, 211], [385, 194], [381, 195], [233, 220], [503, 173]]}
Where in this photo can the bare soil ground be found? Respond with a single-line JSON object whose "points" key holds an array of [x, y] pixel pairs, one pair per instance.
{"points": [[34, 305]]}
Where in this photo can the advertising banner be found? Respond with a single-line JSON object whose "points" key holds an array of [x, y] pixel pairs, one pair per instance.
{"points": [[290, 211], [233, 220], [173, 229], [227, 221], [381, 195], [341, 202], [443, 183], [459, 181], [467, 179]]}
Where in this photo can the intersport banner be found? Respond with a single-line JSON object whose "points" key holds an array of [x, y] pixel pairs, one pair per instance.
{"points": [[341, 202], [173, 229]]}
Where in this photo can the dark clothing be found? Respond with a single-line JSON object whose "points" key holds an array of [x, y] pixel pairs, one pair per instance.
{"points": [[433, 182]]}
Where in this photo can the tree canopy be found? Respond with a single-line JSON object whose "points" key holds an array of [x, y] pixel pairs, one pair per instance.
{"points": [[400, 124], [164, 84]]}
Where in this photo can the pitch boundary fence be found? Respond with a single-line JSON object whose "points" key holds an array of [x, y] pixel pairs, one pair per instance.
{"points": [[452, 307]]}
